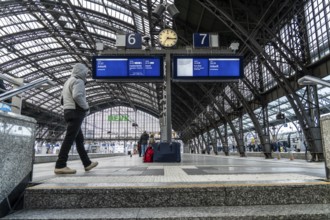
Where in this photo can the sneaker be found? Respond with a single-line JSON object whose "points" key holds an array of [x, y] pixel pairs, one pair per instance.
{"points": [[91, 166], [64, 170]]}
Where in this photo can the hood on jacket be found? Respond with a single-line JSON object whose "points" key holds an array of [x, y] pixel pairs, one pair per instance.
{"points": [[80, 71]]}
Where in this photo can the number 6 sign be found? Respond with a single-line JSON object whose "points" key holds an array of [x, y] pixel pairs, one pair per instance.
{"points": [[133, 41]]}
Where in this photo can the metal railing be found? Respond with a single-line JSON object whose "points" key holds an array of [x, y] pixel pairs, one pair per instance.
{"points": [[311, 80], [20, 87]]}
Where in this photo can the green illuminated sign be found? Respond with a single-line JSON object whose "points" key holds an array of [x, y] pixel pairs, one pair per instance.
{"points": [[117, 117]]}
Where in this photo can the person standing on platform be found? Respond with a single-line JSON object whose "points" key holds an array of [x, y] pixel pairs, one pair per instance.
{"points": [[139, 148], [76, 108], [144, 142], [152, 139]]}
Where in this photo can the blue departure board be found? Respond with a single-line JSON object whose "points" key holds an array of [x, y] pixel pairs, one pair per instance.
{"points": [[128, 69], [207, 68]]}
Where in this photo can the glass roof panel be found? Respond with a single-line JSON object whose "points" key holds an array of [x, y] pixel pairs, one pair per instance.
{"points": [[54, 50], [6, 55], [17, 23], [22, 71], [118, 16]]}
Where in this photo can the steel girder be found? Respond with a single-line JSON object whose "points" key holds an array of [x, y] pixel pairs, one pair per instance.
{"points": [[262, 133], [304, 120], [203, 109]]}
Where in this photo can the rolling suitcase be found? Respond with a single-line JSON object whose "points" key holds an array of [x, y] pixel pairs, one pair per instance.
{"points": [[177, 151], [167, 152]]}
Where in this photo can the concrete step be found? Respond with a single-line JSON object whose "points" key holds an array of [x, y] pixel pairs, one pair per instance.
{"points": [[145, 195], [258, 212]]}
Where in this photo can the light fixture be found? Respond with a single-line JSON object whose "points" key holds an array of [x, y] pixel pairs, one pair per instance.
{"points": [[159, 10], [172, 10], [99, 46], [234, 46], [280, 116]]}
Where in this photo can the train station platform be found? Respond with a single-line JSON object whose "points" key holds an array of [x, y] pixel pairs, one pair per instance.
{"points": [[199, 187]]}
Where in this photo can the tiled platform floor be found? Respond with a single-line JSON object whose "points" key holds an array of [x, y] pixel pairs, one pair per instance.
{"points": [[193, 169], [194, 173]]}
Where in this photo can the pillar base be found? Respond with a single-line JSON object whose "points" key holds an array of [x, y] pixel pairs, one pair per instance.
{"points": [[317, 157], [268, 155]]}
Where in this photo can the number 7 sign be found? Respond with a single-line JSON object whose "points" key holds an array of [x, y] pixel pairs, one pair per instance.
{"points": [[201, 40]]}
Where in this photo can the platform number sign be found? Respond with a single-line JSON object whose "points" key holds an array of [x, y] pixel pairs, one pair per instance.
{"points": [[133, 41], [201, 40]]}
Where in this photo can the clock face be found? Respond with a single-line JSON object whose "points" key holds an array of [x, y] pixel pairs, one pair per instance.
{"points": [[168, 38]]}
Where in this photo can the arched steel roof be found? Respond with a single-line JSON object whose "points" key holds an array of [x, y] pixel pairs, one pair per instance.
{"points": [[46, 37]]}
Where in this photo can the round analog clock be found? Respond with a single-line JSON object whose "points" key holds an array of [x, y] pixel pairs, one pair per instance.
{"points": [[167, 38]]}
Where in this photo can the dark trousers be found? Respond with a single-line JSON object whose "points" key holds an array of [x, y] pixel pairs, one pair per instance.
{"points": [[143, 149], [74, 119]]}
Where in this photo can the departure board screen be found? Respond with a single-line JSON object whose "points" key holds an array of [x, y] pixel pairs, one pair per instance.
{"points": [[128, 69], [208, 68]]}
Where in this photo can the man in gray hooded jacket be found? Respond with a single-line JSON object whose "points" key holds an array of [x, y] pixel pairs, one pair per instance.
{"points": [[75, 109]]}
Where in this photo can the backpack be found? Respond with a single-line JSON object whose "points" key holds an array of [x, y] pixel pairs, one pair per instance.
{"points": [[148, 156]]}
